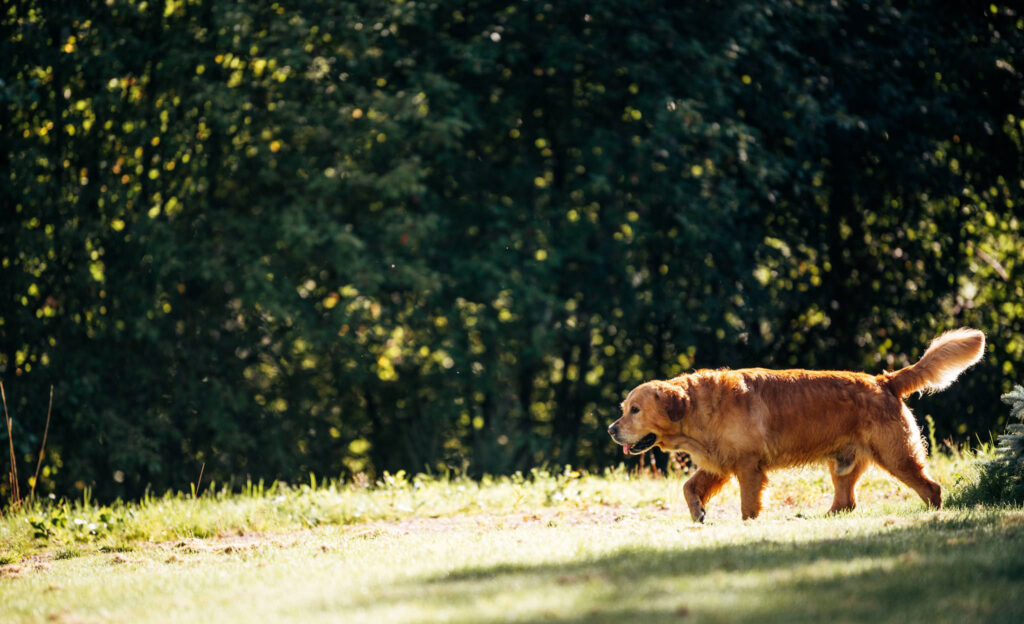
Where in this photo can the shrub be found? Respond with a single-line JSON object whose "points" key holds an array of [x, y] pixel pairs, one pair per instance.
{"points": [[1001, 479]]}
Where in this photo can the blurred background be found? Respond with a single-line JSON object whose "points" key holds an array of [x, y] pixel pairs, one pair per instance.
{"points": [[339, 237]]}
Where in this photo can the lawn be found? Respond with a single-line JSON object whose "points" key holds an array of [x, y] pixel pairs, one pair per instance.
{"points": [[559, 546]]}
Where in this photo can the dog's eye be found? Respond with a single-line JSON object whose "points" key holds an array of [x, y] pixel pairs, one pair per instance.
{"points": [[634, 410]]}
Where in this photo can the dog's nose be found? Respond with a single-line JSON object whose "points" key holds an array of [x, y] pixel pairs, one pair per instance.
{"points": [[613, 429]]}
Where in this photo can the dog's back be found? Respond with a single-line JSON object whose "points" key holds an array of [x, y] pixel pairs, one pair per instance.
{"points": [[788, 417]]}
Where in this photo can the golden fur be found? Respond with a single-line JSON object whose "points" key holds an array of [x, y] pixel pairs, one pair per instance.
{"points": [[749, 421]]}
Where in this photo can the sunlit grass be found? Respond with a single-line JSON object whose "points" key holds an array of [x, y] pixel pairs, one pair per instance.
{"points": [[49, 526], [550, 546]]}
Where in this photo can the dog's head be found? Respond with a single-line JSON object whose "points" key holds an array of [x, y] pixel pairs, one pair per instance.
{"points": [[651, 411]]}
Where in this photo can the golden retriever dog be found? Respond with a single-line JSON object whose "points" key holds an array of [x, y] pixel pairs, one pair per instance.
{"points": [[749, 421]]}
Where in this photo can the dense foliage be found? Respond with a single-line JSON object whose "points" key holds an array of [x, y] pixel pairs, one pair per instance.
{"points": [[275, 238]]}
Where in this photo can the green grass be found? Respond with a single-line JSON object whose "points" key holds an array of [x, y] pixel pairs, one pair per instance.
{"points": [[563, 547]]}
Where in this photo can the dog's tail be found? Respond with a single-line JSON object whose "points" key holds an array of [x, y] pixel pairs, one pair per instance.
{"points": [[947, 356]]}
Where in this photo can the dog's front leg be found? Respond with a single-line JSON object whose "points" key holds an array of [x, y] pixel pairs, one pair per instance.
{"points": [[752, 480], [699, 489]]}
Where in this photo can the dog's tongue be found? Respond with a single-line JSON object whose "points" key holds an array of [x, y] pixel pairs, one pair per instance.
{"points": [[625, 449]]}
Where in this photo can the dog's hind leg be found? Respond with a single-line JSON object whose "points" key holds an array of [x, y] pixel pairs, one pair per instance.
{"points": [[699, 489], [899, 449], [846, 471], [910, 470]]}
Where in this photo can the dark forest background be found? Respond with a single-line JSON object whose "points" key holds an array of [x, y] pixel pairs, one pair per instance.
{"points": [[332, 237]]}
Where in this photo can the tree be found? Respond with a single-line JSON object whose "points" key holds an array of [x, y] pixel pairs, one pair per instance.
{"points": [[276, 239]]}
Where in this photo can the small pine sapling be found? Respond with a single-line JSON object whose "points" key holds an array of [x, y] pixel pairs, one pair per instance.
{"points": [[1000, 480], [1010, 462]]}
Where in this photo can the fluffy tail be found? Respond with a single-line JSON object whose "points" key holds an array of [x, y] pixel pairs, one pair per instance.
{"points": [[947, 356]]}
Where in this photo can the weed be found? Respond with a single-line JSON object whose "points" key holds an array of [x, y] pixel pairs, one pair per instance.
{"points": [[67, 552]]}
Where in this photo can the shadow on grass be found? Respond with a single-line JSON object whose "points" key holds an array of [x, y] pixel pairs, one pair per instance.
{"points": [[958, 570]]}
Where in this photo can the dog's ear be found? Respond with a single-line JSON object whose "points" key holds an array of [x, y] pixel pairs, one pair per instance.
{"points": [[673, 400]]}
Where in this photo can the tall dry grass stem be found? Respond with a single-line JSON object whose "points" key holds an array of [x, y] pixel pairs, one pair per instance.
{"points": [[42, 448], [199, 481], [13, 474]]}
